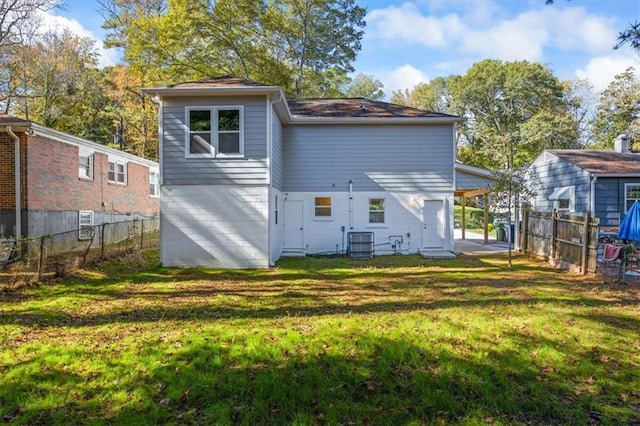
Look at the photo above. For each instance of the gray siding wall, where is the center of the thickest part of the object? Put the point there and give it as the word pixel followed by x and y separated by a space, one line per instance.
pixel 178 170
pixel 277 160
pixel 554 173
pixel 610 199
pixel 376 157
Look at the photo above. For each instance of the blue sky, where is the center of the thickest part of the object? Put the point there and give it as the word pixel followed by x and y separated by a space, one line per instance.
pixel 407 42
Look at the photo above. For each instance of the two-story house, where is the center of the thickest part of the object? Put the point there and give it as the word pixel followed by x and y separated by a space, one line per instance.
pixel 249 176
pixel 64 183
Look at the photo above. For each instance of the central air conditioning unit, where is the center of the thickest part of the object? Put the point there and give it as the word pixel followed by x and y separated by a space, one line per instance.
pixel 361 245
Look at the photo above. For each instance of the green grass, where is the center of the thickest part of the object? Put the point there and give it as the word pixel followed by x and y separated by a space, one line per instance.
pixel 394 340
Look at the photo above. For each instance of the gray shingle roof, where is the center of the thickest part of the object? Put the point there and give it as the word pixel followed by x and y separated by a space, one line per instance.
pixel 355 107
pixel 601 162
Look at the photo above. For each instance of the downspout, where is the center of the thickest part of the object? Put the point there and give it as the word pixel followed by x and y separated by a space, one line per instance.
pixel 270 104
pixel 592 195
pixel 17 182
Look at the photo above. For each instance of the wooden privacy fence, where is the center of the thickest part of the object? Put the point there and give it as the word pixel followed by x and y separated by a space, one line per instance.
pixel 568 241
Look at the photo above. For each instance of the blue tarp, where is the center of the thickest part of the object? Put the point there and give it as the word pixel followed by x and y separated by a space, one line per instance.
pixel 630 227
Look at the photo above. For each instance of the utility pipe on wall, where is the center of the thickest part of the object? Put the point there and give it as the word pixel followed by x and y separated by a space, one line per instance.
pixel 350 204
pixel 17 181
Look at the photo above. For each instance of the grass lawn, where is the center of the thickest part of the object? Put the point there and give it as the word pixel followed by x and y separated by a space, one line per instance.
pixel 395 340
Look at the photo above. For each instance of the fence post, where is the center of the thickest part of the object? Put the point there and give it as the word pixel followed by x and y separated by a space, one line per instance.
pixel 525 232
pixel 141 234
pixel 41 255
pixel 554 235
pixel 585 242
pixel 103 226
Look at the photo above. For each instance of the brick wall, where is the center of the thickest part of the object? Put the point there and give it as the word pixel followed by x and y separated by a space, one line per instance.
pixel 54 185
pixel 7 171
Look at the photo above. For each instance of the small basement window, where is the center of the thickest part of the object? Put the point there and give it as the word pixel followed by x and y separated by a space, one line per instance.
pixel 85 225
pixel 323 207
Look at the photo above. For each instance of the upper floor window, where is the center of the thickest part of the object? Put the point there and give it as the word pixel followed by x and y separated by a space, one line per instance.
pixel 376 210
pixel 85 166
pixel 215 132
pixel 322 206
pixel 117 172
pixel 154 184
pixel 631 194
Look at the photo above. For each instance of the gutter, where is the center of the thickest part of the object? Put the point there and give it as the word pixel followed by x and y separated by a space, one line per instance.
pixel 17 178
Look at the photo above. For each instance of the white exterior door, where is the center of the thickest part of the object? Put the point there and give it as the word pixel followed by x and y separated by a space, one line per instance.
pixel 433 224
pixel 293 226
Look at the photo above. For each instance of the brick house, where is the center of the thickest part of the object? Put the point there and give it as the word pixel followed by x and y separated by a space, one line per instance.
pixel 67 182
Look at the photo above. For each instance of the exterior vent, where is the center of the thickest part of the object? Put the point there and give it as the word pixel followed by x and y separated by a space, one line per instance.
pixel 361 245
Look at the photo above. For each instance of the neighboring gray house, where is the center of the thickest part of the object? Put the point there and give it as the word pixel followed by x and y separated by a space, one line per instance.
pixel 249 176
pixel 605 183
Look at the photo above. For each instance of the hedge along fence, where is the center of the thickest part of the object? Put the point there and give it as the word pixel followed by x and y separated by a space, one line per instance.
pixel 50 256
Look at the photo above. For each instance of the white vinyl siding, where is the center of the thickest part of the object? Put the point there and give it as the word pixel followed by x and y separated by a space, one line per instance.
pixel 374 157
pixel 250 169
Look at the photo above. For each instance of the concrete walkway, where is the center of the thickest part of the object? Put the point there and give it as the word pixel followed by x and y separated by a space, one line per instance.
pixel 474 243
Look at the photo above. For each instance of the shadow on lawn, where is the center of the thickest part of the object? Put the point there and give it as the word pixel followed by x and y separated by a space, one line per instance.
pixel 373 380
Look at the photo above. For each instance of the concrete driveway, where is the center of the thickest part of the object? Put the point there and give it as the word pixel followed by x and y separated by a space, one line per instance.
pixel 474 243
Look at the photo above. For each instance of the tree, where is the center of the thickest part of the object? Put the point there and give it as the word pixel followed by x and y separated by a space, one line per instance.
pixel 365 86
pixel 289 43
pixel 499 98
pixel 618 110
pixel 435 95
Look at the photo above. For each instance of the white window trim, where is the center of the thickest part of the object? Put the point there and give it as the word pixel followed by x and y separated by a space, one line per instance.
pixel 213 152
pixel 81 234
pixel 82 175
pixel 156 184
pixel 322 218
pixel 626 200
pixel 118 162
pixel 564 193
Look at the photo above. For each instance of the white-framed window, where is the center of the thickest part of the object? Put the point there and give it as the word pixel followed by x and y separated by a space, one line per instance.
pixel 631 194
pixel 322 207
pixel 85 224
pixel 117 172
pixel 215 131
pixel 154 183
pixel 85 166
pixel 563 198
pixel 376 210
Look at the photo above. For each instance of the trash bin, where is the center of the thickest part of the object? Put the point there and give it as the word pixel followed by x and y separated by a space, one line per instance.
pixel 501 233
pixel 512 235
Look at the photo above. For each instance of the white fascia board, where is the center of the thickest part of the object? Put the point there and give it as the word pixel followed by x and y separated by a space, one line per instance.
pixel 86 144
pixel 616 175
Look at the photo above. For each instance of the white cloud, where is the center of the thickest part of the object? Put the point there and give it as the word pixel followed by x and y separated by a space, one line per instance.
pixel 406 24
pixel 483 30
pixel 51 22
pixel 403 77
pixel 601 70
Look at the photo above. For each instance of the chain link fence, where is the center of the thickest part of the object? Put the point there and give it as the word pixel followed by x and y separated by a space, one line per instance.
pixel 52 256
